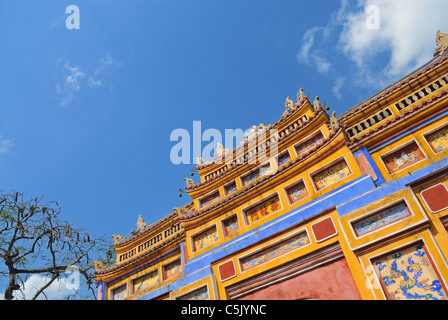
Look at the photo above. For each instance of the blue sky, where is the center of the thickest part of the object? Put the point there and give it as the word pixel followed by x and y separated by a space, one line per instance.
pixel 87 114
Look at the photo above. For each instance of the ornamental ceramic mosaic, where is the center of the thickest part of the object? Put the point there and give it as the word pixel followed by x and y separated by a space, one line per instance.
pixel 205 239
pixel 208 200
pixel 331 175
pixel 259 172
pixel 146 281
pixel 231 226
pixel 309 144
pixel 231 188
pixel 172 270
pixel 381 218
pixel 275 251
pixel 262 210
pixel 409 274
pixel 284 158
pixel 200 294
pixel 120 293
pixel 403 158
pixel 297 192
pixel 438 140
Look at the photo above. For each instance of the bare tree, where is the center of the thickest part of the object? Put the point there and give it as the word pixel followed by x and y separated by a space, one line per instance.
pixel 35 240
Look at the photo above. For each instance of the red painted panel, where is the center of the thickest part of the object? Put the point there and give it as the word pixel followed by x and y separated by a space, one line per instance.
pixel 324 229
pixel 436 197
pixel 332 281
pixel 226 270
pixel 184 249
pixel 365 166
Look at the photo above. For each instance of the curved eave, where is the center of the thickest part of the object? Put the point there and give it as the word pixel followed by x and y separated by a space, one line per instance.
pixel 283 122
pixel 113 271
pixel 206 186
pixel 394 92
pixel 148 232
pixel 335 141
pixel 402 122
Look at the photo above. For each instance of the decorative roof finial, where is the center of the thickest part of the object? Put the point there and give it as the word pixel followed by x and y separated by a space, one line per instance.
pixel 200 160
pixel 98 265
pixel 442 43
pixel 317 105
pixel 117 238
pixel 140 223
pixel 289 104
pixel 334 123
pixel 300 96
pixel 189 182
pixel 180 211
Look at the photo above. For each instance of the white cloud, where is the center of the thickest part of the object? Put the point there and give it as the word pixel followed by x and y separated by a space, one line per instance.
pixel 58 290
pixel 58 20
pixel 70 84
pixel 106 61
pixel 5 145
pixel 338 84
pixel 73 76
pixel 404 41
pixel 407 33
pixel 313 58
pixel 94 83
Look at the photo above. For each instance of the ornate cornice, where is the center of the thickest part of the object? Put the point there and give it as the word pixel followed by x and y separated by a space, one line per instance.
pixel 110 269
pixel 423 105
pixel 311 120
pixel 263 180
pixel 395 88
pixel 291 109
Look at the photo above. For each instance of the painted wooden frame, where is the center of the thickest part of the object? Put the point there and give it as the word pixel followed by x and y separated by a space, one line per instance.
pixel 194 235
pixel 384 155
pixel 312 174
pixel 223 221
pixel 137 277
pixel 253 205
pixel 415 218
pixel 278 241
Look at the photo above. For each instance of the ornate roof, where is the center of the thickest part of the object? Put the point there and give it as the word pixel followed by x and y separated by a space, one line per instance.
pixel 398 118
pixel 261 181
pixel 107 270
pixel 395 87
pixel 290 110
pixel 283 136
pixel 289 126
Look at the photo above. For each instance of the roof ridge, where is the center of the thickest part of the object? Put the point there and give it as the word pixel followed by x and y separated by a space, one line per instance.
pixel 357 108
pixel 286 115
pixel 245 189
pixel 236 166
